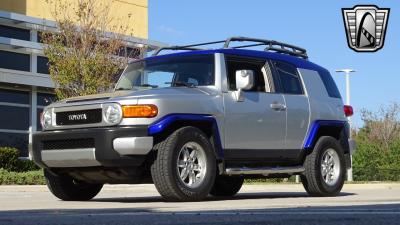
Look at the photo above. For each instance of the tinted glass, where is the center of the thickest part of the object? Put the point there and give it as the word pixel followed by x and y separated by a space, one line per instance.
pixel 14 118
pixel 19 141
pixel 129 52
pixel 42 65
pixel 39 37
pixel 45 99
pixel 329 83
pixel 21 97
pixel 256 65
pixel 289 78
pixel 132 52
pixel 16 33
pixel 14 61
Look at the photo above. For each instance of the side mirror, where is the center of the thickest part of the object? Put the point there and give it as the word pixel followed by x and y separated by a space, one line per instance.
pixel 244 81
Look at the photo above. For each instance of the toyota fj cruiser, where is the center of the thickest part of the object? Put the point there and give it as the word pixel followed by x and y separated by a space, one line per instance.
pixel 197 122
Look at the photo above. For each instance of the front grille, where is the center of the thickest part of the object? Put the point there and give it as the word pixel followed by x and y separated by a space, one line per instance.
pixel 79 117
pixel 68 144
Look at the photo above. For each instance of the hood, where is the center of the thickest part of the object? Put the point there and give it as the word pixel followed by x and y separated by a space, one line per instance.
pixel 145 93
pixel 167 91
pixel 94 97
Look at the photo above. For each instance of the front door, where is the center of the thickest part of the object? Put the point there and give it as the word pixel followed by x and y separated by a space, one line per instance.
pixel 256 126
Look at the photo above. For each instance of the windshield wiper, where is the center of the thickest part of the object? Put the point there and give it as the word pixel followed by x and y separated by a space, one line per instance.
pixel 149 85
pixel 142 85
pixel 181 84
pixel 123 89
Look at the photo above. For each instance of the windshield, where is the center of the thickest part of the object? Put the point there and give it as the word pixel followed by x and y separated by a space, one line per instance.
pixel 186 71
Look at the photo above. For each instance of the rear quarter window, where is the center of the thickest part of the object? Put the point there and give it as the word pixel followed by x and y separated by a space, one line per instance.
pixel 289 78
pixel 329 84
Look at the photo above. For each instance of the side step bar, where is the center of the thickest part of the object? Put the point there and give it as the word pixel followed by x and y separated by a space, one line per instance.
pixel 264 170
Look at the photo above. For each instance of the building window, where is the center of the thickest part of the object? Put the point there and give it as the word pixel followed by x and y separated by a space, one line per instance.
pixel 39 37
pixel 133 53
pixel 16 140
pixel 11 96
pixel 45 99
pixel 43 65
pixel 38 115
pixel 14 118
pixel 15 61
pixel 16 33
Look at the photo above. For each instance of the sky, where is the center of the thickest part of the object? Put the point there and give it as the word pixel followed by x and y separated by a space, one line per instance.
pixel 314 25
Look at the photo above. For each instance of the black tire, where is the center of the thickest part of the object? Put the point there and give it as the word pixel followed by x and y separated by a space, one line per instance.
pixel 312 179
pixel 65 188
pixel 164 170
pixel 226 186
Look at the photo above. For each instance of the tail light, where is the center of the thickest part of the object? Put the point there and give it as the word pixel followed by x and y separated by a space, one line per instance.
pixel 348 110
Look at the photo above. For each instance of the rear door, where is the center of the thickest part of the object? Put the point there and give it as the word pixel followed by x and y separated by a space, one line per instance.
pixel 290 84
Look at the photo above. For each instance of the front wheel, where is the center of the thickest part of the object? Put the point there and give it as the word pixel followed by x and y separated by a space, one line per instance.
pixel 185 166
pixel 325 169
pixel 68 189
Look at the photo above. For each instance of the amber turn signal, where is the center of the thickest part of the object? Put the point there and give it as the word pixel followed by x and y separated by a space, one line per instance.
pixel 139 111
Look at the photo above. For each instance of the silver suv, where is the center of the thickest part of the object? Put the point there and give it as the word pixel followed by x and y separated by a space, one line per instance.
pixel 197 122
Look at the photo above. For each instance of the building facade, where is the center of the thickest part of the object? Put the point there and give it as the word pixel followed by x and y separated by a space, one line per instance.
pixel 133 13
pixel 25 85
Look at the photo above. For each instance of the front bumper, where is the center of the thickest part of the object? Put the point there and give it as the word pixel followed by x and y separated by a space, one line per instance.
pixel 107 147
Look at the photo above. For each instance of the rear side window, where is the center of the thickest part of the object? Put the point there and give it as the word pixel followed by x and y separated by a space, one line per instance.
pixel 329 84
pixel 289 78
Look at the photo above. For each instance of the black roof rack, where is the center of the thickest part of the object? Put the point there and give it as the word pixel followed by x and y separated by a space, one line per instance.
pixel 270 45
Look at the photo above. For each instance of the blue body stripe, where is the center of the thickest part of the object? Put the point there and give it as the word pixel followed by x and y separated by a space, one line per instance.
pixel 163 123
pixel 315 127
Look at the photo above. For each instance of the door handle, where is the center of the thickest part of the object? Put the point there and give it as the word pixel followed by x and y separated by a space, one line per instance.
pixel 277 106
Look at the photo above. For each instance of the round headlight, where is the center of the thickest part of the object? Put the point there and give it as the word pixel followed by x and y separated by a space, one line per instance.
pixel 112 113
pixel 46 119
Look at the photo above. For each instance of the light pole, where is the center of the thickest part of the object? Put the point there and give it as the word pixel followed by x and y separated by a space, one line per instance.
pixel 347 74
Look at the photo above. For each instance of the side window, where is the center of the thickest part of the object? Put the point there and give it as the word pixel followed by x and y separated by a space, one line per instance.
pixel 329 84
pixel 237 63
pixel 289 78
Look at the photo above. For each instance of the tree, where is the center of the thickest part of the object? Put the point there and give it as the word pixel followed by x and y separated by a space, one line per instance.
pixel 84 50
pixel 378 145
pixel 382 126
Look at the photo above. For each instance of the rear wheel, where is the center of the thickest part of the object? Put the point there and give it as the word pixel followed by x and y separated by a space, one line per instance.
pixel 66 188
pixel 184 169
pixel 324 168
pixel 226 186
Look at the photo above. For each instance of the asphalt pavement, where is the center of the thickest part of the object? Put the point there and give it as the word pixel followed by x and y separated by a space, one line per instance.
pixel 374 203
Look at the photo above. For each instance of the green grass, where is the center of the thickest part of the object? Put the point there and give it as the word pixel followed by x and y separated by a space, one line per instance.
pixel 21 178
pixel 291 180
pixel 36 178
